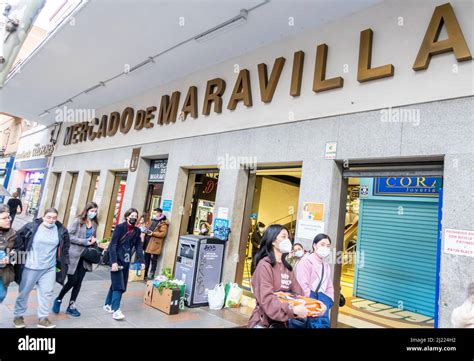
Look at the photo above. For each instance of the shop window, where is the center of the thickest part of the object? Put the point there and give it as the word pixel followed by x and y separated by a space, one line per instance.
pixel 31 193
pixel 202 203
pixel 93 186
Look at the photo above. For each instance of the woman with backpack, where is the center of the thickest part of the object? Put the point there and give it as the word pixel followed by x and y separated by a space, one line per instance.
pixel 82 234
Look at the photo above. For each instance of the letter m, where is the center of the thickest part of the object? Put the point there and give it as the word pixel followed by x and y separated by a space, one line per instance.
pixel 168 109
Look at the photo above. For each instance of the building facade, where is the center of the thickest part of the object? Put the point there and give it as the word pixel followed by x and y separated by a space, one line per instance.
pixel 319 114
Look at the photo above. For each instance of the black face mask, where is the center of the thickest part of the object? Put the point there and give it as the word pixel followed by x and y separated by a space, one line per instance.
pixel 132 221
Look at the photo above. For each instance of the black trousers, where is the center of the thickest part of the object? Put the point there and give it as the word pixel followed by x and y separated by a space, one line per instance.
pixel 150 259
pixel 75 282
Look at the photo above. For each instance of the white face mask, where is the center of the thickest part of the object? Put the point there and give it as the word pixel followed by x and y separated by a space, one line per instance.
pixel 323 252
pixel 48 225
pixel 299 253
pixel 285 246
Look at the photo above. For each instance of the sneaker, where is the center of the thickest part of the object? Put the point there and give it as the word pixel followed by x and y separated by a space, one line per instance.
pixel 108 309
pixel 45 323
pixel 118 315
pixel 19 322
pixel 57 305
pixel 72 310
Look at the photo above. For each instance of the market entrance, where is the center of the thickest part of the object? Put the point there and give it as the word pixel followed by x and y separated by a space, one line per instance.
pixel 199 202
pixel 272 198
pixel 390 250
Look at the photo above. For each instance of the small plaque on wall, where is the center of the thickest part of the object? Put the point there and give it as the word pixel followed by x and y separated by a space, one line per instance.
pixel 134 160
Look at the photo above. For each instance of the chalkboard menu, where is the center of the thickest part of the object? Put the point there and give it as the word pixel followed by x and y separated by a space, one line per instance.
pixel 157 170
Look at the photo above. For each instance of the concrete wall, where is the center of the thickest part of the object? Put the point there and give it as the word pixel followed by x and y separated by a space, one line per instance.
pixel 444 128
pixel 399 27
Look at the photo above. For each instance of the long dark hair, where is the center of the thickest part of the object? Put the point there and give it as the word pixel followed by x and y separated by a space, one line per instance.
pixel 83 215
pixel 266 246
pixel 145 216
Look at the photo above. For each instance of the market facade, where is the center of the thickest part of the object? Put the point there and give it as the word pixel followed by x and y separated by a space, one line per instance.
pixel 340 130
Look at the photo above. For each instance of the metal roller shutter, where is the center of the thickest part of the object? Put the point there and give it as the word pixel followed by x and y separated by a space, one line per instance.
pixel 399 253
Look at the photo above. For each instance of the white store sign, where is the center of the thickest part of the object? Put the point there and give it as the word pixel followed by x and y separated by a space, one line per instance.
pixel 309 229
pixel 459 242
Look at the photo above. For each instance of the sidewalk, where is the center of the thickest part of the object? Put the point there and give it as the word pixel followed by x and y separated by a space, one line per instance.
pixel 138 315
pixel 21 220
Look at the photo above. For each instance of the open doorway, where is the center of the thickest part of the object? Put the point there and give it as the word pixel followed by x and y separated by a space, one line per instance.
pixel 200 201
pixel 272 198
pixel 390 247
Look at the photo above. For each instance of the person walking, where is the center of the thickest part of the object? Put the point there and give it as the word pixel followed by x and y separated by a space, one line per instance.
pixel 15 205
pixel 82 234
pixel 44 243
pixel 124 238
pixel 7 243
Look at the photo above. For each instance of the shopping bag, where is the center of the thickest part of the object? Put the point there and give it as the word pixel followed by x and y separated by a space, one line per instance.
pixel 135 273
pixel 227 289
pixel 216 297
pixel 234 296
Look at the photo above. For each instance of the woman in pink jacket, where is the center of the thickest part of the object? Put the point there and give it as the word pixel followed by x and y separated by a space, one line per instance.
pixel 314 277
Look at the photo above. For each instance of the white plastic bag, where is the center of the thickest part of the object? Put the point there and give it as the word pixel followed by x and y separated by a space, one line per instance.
pixel 234 296
pixel 216 297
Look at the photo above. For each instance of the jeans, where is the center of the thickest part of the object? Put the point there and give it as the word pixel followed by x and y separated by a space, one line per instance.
pixel 113 299
pixel 44 281
pixel 118 287
pixel 3 291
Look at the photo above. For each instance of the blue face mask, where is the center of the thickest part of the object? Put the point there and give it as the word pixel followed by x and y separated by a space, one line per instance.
pixel 48 225
pixel 91 215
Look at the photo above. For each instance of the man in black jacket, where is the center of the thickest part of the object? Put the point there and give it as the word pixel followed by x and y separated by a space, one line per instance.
pixel 42 249
pixel 256 238
pixel 13 203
